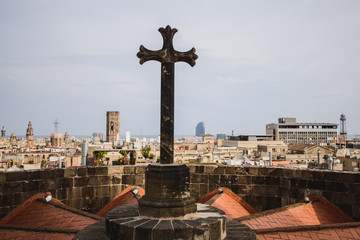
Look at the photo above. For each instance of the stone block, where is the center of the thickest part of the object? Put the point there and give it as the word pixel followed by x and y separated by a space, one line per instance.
pixel 355 188
pixel 230 170
pixel 145 231
pixel 199 169
pixel 69 172
pixel 129 169
pixel 13 187
pixel 140 170
pixel 82 171
pixel 117 170
pixel 204 189
pixel 357 178
pixel 128 179
pixel 273 180
pixel 33 185
pixel 60 194
pixel 307 174
pixel 336 187
pixel 298 183
pixel 91 171
pixel 88 192
pixel 192 168
pixel 240 171
pixel 115 179
pixel 320 185
pixel 346 177
pixel 244 179
pixel 75 192
pixel 163 230
pixel 50 184
pixel 58 173
pixel 2 178
pixel 16 176
pixel 67 182
pixel 263 171
pixel 209 169
pixel 34 175
pixel 140 180
pixel 275 172
pixel 297 173
pixel 82 181
pixel 237 189
pixel 253 171
pixel 7 200
pixel 319 175
pixel 213 179
pixel 258 180
pixel 182 230
pixel 220 170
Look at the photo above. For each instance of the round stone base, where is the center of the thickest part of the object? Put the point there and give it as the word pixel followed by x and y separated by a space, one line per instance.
pixel 207 223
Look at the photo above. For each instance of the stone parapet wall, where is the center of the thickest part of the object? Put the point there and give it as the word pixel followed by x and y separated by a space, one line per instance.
pixel 86 188
pixel 271 187
pixel 91 188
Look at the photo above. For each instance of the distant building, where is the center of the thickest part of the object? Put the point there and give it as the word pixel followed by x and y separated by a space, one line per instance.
pixel 200 129
pixel 127 136
pixel 56 139
pixel 3 131
pixel 221 136
pixel 98 135
pixel 112 126
pixel 289 131
pixel 30 136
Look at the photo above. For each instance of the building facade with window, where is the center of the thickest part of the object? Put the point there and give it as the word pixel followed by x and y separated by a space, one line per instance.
pixel 289 131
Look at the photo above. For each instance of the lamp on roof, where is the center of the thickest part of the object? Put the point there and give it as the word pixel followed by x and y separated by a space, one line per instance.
pixel 48 196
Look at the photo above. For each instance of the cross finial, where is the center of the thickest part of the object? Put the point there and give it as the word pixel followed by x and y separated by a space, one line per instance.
pixel 167 54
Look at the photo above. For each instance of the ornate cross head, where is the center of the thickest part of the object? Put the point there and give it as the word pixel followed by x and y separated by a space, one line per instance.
pixel 167 54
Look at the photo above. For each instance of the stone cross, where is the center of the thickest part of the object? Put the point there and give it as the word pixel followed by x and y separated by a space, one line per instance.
pixel 167 55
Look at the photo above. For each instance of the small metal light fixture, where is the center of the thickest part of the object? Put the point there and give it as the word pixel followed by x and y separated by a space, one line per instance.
pixel 48 196
pixel 220 191
pixel 135 191
pixel 306 200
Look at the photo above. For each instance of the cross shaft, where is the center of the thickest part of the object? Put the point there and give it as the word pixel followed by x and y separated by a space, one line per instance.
pixel 167 55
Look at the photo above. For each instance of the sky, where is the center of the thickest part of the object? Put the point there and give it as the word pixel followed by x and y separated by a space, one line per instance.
pixel 258 61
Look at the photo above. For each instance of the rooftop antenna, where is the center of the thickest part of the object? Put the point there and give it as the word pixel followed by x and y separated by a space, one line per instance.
pixel 56 124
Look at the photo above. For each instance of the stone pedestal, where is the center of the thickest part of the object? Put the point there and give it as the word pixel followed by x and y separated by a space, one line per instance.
pixel 207 223
pixel 167 192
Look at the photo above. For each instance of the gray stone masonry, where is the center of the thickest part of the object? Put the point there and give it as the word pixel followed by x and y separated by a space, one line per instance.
pixel 91 188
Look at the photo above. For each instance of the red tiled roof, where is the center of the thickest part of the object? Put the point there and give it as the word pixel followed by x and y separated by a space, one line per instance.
pixel 229 202
pixel 38 219
pixel 29 235
pixel 326 231
pixel 319 211
pixel 125 197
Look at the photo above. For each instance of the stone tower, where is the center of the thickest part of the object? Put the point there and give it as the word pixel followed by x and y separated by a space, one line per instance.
pixel 30 136
pixel 3 132
pixel 112 126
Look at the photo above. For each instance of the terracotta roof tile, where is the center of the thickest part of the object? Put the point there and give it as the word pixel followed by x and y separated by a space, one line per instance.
pixel 229 202
pixel 38 214
pixel 15 234
pixel 326 231
pixel 125 197
pixel 318 211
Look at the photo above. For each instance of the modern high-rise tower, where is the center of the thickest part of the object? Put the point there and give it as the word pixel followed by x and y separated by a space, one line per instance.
pixel 200 129
pixel 112 126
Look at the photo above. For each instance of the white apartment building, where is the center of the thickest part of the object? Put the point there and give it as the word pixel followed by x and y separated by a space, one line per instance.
pixel 289 131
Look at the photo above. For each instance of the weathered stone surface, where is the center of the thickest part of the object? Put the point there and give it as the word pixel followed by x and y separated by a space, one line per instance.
pixel 344 194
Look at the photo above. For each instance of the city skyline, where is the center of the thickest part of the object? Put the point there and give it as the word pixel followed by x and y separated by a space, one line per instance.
pixel 258 61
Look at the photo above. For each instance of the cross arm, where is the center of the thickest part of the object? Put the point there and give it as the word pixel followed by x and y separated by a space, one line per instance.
pixel 146 55
pixel 188 57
